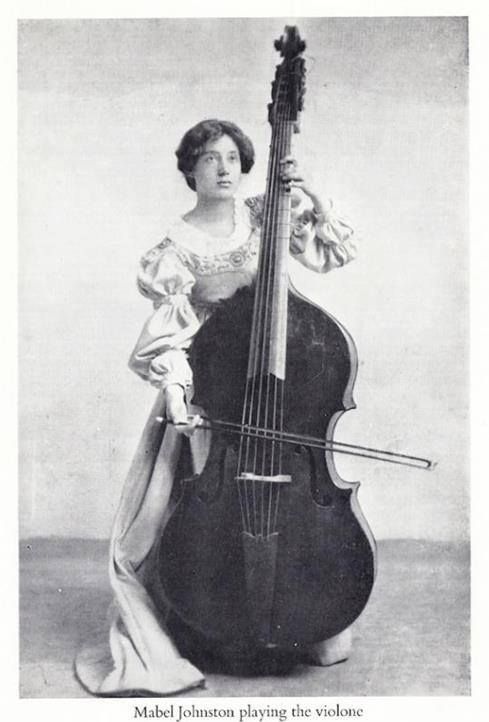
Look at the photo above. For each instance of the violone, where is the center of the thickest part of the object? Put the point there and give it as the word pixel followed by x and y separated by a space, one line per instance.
pixel 267 547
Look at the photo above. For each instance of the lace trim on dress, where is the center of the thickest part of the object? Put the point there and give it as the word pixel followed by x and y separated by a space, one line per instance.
pixel 153 253
pixel 256 206
pixel 190 245
pixel 220 263
pixel 206 265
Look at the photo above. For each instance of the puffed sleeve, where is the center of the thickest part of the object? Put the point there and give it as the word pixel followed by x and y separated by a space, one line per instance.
pixel 320 241
pixel 159 355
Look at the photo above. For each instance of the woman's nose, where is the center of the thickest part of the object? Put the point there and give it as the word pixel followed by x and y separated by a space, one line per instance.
pixel 222 168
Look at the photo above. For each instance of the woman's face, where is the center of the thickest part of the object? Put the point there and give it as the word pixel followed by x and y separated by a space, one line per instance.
pixel 217 172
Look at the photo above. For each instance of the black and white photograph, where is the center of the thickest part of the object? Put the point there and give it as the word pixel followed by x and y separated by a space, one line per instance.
pixel 243 382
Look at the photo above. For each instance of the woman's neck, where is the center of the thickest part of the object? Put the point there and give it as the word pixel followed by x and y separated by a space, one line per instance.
pixel 216 216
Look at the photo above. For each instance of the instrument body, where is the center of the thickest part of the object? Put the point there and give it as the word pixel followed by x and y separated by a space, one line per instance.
pixel 267 546
pixel 321 572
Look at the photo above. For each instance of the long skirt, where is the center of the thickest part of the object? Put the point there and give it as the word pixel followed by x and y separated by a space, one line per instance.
pixel 137 655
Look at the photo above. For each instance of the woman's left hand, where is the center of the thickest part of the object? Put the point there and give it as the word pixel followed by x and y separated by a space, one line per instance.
pixel 292 176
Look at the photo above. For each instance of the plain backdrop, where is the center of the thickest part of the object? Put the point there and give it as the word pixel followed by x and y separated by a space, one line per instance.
pixel 102 106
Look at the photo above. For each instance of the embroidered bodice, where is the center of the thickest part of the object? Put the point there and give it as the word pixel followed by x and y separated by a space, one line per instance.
pixel 189 271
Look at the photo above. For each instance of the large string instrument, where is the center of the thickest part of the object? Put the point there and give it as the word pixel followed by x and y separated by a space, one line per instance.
pixel 267 547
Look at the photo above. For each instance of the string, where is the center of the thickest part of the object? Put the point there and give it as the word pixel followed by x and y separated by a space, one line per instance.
pixel 268 268
pixel 269 296
pixel 269 307
pixel 276 279
pixel 273 278
pixel 258 335
pixel 264 397
pixel 268 240
pixel 257 367
pixel 277 382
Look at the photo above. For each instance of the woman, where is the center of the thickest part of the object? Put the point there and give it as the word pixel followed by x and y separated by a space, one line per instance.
pixel 206 256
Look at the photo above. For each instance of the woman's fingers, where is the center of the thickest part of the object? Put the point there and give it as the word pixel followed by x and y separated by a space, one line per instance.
pixel 189 425
pixel 290 174
pixel 176 410
pixel 193 423
pixel 288 167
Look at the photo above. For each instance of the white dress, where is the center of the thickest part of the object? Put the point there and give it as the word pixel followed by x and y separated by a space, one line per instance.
pixel 184 276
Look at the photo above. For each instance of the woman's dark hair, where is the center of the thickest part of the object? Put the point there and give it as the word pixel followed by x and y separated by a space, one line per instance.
pixel 194 140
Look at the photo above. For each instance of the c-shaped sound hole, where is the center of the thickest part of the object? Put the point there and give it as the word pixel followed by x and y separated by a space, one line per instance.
pixel 320 495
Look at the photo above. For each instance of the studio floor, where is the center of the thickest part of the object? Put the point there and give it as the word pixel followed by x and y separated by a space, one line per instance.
pixel 412 639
